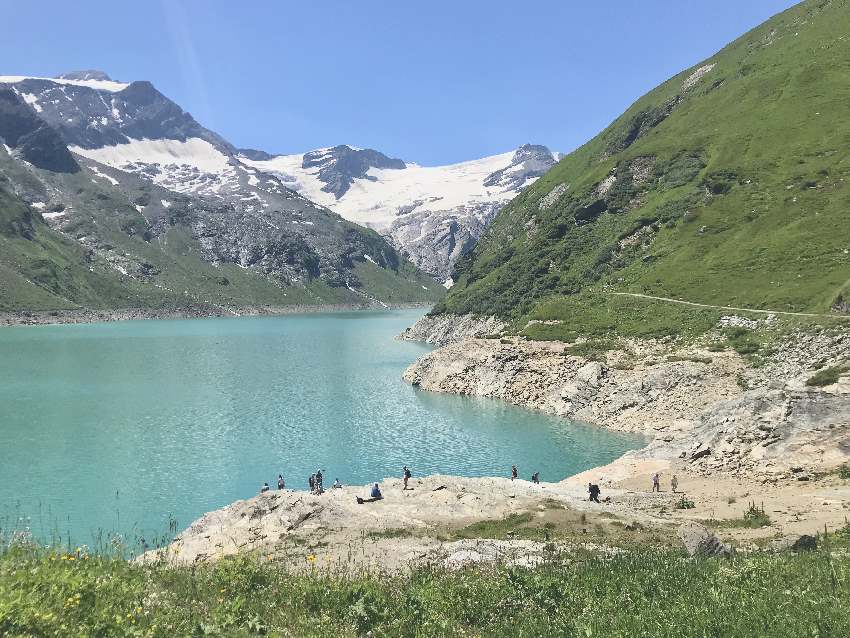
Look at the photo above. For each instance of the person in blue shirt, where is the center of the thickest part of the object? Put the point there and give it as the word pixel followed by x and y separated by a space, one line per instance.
pixel 376 492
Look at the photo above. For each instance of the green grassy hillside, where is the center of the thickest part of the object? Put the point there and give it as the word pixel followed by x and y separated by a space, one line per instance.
pixel 725 185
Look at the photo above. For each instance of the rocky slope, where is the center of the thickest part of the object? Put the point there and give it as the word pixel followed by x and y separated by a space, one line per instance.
pixel 152 209
pixel 444 329
pixel 435 214
pixel 711 409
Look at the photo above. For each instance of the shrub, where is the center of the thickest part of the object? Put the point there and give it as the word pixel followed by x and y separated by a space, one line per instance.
pixel 684 504
pixel 827 376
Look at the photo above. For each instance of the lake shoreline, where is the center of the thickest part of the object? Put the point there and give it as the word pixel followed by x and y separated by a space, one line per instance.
pixel 88 316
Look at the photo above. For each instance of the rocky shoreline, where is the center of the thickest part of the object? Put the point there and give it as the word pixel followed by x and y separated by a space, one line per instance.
pixel 50 317
pixel 705 410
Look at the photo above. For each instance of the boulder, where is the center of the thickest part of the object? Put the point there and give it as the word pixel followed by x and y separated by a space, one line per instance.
pixel 700 541
pixel 796 543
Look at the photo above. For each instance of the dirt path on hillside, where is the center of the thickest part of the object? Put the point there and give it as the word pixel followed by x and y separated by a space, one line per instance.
pixel 733 308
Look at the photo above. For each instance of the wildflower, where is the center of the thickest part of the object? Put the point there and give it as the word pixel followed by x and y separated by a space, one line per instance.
pixel 311 558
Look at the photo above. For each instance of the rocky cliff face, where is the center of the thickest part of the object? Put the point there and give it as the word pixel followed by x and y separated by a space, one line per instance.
pixel 433 214
pixel 35 142
pixel 442 330
pixel 693 407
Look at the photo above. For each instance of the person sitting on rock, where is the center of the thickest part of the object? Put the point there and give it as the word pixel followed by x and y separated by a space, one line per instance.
pixel 514 472
pixel 535 478
pixel 594 492
pixel 376 492
pixel 281 484
pixel 337 485
pixel 264 488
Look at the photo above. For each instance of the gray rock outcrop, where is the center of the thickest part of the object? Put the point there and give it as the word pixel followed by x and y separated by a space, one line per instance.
pixel 446 328
pixel 700 541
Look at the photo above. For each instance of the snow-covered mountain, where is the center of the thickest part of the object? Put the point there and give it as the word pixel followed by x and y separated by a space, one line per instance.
pixel 434 213
pixel 236 214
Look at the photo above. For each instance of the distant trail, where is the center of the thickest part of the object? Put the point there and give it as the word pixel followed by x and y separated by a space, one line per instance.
pixel 705 305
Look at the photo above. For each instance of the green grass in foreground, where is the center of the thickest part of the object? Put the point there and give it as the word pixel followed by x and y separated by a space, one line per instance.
pixel 636 593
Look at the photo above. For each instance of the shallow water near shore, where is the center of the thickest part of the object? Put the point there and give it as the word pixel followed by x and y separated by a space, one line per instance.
pixel 128 426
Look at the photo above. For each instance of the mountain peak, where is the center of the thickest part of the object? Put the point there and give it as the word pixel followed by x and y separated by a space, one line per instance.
pixel 340 165
pixel 90 74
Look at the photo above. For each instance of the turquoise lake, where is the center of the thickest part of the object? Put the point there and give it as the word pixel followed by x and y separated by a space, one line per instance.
pixel 124 427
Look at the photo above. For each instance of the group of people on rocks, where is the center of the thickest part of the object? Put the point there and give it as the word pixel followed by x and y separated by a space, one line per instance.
pixel 316 483
pixel 316 479
pixel 535 478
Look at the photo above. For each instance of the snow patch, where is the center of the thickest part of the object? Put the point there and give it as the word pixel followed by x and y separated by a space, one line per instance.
pixel 52 215
pixel 448 283
pixel 38 205
pixel 165 203
pixel 695 77
pixel 368 258
pixel 376 202
pixel 109 178
pixel 99 85
pixel 32 100
pixel 193 152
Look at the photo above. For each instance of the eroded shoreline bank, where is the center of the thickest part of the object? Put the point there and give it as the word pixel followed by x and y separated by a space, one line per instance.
pixel 57 317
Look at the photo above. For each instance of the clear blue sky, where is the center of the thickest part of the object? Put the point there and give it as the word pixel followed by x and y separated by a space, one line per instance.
pixel 432 81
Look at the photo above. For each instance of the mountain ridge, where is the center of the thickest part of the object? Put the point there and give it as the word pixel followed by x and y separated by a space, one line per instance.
pixel 433 213
pixel 104 237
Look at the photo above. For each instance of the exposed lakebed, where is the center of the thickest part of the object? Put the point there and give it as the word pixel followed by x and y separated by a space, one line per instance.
pixel 125 426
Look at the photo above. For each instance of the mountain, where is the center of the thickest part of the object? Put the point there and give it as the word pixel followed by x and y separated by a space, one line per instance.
pixel 435 214
pixel 117 197
pixel 725 186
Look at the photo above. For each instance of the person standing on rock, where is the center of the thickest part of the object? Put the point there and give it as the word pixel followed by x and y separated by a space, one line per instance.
pixel 407 474
pixel 312 483
pixel 674 483
pixel 656 482
pixel 318 481
pixel 514 472
pixel 594 492
pixel 281 484
pixel 535 478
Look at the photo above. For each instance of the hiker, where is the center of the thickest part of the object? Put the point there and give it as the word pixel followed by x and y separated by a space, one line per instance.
pixel 264 488
pixel 514 473
pixel 319 481
pixel 337 485
pixel 674 483
pixel 375 495
pixel 594 492
pixel 407 476
pixel 535 478
pixel 281 484
pixel 312 482
pixel 656 482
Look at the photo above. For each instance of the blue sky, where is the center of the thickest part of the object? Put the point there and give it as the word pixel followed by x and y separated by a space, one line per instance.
pixel 430 81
